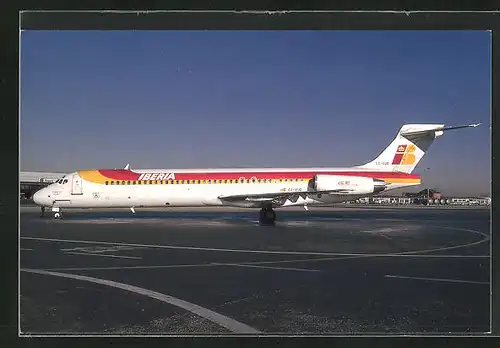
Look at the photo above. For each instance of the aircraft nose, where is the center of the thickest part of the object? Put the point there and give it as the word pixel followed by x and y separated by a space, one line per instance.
pixel 39 197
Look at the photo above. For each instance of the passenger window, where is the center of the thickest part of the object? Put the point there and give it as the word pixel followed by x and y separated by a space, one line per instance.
pixel 151 182
pixel 118 183
pixel 106 182
pixel 128 182
pixel 123 182
pixel 112 182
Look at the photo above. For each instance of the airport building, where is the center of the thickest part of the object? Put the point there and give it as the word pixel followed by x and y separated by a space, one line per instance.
pixel 31 182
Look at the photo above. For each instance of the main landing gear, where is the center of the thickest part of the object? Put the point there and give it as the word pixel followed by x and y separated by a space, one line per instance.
pixel 267 216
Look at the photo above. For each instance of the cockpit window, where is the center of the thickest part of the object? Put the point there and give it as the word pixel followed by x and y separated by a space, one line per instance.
pixel 65 181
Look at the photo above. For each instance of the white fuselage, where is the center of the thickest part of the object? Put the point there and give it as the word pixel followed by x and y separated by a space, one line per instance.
pixel 76 192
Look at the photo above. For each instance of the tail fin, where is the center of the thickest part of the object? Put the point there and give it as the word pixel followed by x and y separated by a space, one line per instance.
pixel 409 146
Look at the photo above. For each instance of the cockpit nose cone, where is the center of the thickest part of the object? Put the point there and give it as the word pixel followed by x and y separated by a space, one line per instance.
pixel 38 197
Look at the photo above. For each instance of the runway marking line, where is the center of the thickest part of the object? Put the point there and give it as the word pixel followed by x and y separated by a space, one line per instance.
pixel 398 254
pixel 104 255
pixel 437 279
pixel 222 320
pixel 333 256
pixel 266 267
pixel 104 250
pixel 26 249
pixel 116 268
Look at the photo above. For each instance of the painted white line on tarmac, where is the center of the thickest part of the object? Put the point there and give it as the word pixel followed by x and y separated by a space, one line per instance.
pixel 414 253
pixel 101 250
pixel 228 323
pixel 267 267
pixel 437 279
pixel 104 255
pixel 116 268
pixel 26 249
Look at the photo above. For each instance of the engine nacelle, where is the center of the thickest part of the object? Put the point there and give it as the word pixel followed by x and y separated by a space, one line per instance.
pixel 357 185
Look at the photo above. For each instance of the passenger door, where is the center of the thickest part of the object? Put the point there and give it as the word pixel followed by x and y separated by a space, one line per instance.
pixel 76 185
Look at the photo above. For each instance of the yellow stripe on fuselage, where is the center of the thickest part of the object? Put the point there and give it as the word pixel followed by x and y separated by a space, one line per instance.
pixel 400 180
pixel 93 176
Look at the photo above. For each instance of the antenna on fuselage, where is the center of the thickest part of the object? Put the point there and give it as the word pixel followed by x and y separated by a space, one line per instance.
pixel 127 167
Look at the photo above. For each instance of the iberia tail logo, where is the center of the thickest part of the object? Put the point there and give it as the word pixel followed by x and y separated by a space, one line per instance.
pixel 405 154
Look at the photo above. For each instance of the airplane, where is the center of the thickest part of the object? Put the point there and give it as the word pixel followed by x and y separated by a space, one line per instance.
pixel 264 188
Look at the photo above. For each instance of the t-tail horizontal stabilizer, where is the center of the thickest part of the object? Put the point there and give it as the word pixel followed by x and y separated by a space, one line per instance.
pixel 409 146
pixel 438 130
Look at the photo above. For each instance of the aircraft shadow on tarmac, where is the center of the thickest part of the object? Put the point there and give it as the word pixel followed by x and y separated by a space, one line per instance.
pixel 226 219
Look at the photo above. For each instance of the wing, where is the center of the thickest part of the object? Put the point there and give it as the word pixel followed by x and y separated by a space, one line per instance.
pixel 276 198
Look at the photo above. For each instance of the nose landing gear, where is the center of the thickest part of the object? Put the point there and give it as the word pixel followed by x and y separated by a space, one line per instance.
pixel 57 213
pixel 267 216
pixel 42 211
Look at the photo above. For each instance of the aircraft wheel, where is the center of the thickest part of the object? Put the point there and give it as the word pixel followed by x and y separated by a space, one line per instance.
pixel 57 215
pixel 267 216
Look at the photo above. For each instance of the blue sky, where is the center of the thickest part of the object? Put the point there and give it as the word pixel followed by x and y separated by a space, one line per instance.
pixel 195 99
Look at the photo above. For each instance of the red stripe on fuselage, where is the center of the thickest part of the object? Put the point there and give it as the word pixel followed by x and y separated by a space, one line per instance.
pixel 122 174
